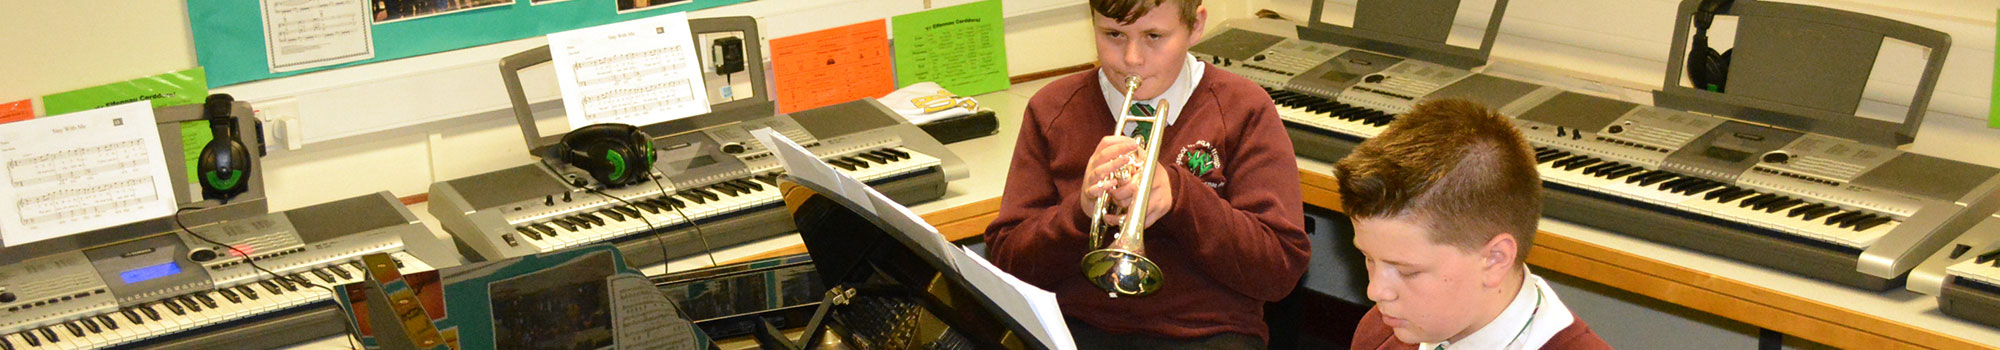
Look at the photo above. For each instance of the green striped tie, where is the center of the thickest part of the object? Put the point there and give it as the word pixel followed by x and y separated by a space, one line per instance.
pixel 1142 109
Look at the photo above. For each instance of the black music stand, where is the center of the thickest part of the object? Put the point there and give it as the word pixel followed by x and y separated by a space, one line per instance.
pixel 858 253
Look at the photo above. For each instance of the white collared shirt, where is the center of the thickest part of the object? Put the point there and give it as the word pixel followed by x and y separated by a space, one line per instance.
pixel 1175 96
pixel 1534 317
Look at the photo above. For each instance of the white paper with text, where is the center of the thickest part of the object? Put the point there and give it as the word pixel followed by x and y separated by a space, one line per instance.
pixel 82 171
pixel 636 72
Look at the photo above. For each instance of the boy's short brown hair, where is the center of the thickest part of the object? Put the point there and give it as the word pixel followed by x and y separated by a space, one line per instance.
pixel 1455 165
pixel 1126 11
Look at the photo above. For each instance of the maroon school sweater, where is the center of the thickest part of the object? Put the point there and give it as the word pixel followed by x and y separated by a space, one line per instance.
pixel 1372 334
pixel 1232 241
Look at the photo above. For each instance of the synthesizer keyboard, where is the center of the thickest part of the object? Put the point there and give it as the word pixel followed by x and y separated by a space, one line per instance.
pixel 718 177
pixel 172 291
pixel 1804 203
pixel 1971 287
pixel 1331 97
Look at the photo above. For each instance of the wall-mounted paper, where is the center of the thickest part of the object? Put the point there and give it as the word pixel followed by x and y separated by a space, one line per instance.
pixel 81 171
pixel 17 111
pixel 636 72
pixel 832 66
pixel 961 47
pixel 300 34
pixel 188 87
pixel 172 89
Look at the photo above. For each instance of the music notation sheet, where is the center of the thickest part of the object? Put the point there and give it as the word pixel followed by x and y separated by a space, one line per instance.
pixel 637 72
pixel 81 171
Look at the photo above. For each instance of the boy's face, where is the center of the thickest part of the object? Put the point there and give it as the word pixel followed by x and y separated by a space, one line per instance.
pixel 1426 291
pixel 1153 47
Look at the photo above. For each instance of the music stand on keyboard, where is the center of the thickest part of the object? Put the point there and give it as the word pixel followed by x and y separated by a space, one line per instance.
pixel 1416 29
pixel 1804 68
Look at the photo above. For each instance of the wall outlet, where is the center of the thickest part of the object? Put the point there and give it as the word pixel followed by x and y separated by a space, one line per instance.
pixel 281 122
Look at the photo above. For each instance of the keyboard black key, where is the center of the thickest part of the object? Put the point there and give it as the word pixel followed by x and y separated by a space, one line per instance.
pixel 1788 203
pixel 725 189
pixel 1767 202
pixel 1629 170
pixel 1726 190
pixel 898 152
pixel 1842 217
pixel 1551 157
pixel 174 306
pixel 247 292
pixel 594 219
pixel 231 295
pixel 287 283
pixel 131 316
pixel 1864 225
pixel 1663 176
pixel 1816 213
pixel 1795 212
pixel 1854 219
pixel 90 324
pixel 1596 170
pixel 5 344
pixel 646 206
pixel 842 164
pixel 107 322
pixel 628 210
pixel 151 314
pixel 1708 186
pixel 564 223
pixel 205 300
pixel 271 287
pixel 614 214
pixel 1581 163
pixel 768 179
pixel 49 335
pixel 1565 162
pixel 1645 176
pixel 1759 198
pixel 711 195
pixel 752 185
pixel 1739 194
pixel 30 337
pixel 1666 186
pixel 189 302
pixel 73 328
pixel 530 233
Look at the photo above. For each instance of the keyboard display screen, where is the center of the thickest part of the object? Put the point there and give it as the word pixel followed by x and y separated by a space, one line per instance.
pixel 1726 154
pixel 143 274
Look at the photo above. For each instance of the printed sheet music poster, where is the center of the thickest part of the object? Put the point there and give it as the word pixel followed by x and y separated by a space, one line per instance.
pixel 81 171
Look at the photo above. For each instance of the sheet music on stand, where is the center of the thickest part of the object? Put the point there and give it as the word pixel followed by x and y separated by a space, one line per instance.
pixel 636 72
pixel 81 171
pixel 1026 304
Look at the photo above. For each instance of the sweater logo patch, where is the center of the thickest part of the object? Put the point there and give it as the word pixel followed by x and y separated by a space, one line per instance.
pixel 1200 158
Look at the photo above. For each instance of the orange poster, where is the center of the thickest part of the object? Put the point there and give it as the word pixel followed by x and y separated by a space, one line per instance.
pixel 832 66
pixel 17 111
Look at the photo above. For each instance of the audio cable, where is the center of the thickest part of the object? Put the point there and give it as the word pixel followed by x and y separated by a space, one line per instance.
pixel 705 248
pixel 331 294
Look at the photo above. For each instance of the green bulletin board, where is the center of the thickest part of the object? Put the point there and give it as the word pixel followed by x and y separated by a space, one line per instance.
pixel 229 36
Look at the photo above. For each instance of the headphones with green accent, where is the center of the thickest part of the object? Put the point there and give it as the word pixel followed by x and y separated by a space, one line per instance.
pixel 224 168
pixel 614 154
pixel 1708 69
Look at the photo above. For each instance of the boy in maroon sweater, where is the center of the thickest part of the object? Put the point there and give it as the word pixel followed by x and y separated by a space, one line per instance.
pixel 1224 219
pixel 1445 204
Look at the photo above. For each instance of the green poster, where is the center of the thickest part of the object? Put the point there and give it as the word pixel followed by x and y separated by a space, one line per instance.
pixel 962 48
pixel 188 87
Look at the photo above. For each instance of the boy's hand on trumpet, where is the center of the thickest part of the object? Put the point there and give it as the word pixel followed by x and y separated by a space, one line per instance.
pixel 1112 170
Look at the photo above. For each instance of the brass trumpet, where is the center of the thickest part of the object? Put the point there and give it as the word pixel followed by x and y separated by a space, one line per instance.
pixel 1121 268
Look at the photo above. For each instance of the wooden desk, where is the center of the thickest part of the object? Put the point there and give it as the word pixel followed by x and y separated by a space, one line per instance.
pixel 1798 307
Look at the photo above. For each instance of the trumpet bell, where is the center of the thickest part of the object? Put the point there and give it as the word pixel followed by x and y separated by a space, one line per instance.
pixel 1122 272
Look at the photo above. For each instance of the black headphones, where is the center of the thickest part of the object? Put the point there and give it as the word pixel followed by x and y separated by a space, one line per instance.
pixel 224 168
pixel 614 154
pixel 1706 68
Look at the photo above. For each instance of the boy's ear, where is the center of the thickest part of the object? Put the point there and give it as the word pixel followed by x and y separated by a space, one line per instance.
pixel 1200 21
pixel 1498 257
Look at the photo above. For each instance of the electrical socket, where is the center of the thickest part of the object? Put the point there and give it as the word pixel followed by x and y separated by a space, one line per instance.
pixel 281 122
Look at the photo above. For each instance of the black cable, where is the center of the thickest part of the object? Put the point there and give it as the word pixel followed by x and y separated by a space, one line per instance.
pixel 333 295
pixel 697 230
pixel 642 218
